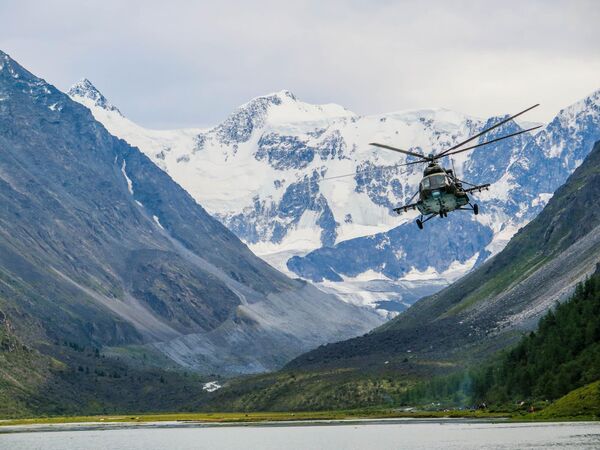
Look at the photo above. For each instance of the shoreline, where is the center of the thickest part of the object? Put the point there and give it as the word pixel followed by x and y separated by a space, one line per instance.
pixel 95 426
pixel 205 420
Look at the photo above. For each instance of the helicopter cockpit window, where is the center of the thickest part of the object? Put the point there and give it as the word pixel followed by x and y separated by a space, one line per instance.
pixel 434 181
pixel 438 181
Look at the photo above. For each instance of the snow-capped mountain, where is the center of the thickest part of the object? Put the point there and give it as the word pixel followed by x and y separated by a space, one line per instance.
pixel 275 173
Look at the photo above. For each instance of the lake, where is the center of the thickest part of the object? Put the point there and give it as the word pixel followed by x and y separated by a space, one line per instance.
pixel 375 434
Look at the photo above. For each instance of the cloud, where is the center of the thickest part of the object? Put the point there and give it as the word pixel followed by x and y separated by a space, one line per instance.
pixel 184 63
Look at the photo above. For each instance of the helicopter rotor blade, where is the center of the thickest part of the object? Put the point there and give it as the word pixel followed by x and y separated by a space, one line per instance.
pixel 372 169
pixel 339 176
pixel 502 122
pixel 413 197
pixel 399 150
pixel 488 142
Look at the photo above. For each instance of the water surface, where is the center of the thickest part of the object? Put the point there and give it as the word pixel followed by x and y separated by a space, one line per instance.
pixel 390 434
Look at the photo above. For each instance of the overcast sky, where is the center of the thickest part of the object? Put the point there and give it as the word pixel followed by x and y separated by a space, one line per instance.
pixel 172 64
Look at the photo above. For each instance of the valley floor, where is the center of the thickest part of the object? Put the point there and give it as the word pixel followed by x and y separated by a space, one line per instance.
pixel 266 418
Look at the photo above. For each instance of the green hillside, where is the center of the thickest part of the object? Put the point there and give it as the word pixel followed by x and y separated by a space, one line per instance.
pixel 20 370
pixel 71 379
pixel 581 403
pixel 561 355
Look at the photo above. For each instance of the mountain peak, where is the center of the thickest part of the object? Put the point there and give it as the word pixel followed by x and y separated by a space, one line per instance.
pixel 285 94
pixel 590 104
pixel 84 87
pixel 282 94
pixel 15 70
pixel 592 101
pixel 274 98
pixel 85 90
pixel 4 58
pixel 276 107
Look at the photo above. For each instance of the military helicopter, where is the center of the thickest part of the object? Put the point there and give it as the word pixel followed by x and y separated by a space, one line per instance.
pixel 440 190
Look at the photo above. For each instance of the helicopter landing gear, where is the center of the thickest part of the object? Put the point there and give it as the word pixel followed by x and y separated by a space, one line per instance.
pixel 420 221
pixel 473 208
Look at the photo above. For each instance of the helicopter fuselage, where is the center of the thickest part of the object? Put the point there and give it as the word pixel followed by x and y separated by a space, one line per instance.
pixel 441 200
pixel 440 192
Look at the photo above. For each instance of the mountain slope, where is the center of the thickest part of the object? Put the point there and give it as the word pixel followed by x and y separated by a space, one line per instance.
pixel 263 173
pixel 561 355
pixel 100 248
pixel 488 308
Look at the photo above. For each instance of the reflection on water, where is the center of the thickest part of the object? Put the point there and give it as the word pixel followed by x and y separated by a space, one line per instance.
pixel 400 434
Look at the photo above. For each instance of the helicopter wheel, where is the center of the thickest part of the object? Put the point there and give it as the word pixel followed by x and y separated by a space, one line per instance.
pixel 475 209
pixel 420 224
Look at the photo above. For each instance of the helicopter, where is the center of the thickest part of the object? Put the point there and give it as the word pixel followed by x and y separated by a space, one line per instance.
pixel 440 190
